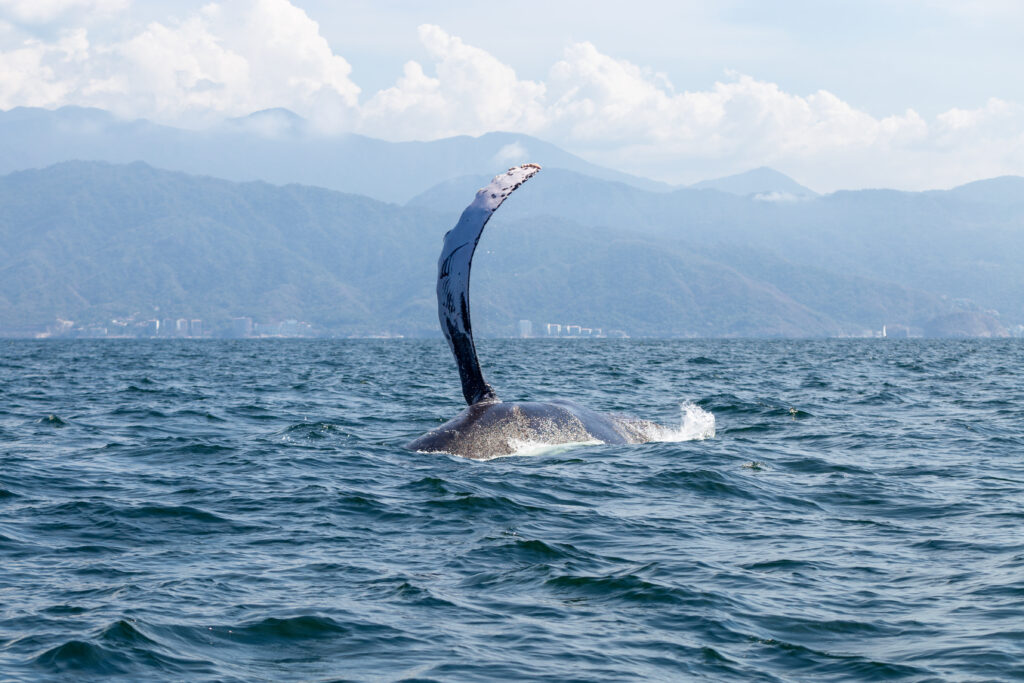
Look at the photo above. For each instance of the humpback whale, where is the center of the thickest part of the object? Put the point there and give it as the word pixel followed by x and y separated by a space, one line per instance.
pixel 490 427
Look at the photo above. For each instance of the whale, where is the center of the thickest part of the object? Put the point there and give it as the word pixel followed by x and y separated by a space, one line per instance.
pixel 490 427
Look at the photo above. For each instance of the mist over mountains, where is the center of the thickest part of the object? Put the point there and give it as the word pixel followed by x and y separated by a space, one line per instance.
pixel 275 146
pixel 750 255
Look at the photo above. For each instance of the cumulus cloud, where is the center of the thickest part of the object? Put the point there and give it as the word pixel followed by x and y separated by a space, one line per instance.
pixel 36 73
pixel 234 57
pixel 625 113
pixel 472 93
pixel 229 59
pixel 620 114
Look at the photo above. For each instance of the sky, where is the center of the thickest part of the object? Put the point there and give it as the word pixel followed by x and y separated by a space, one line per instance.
pixel 911 94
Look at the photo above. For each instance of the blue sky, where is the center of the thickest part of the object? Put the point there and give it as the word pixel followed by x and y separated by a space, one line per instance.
pixel 913 94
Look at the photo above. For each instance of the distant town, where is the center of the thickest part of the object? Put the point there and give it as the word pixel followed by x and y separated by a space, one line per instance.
pixel 245 327
pixel 567 330
pixel 185 328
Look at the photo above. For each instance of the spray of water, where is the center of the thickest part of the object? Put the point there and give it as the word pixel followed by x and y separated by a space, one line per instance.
pixel 696 424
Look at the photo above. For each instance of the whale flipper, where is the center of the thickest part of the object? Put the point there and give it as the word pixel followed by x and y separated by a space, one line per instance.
pixel 489 428
pixel 453 278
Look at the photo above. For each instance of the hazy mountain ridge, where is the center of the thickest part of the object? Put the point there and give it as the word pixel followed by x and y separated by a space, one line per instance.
pixel 767 182
pixel 750 254
pixel 94 240
pixel 275 146
pixel 87 241
pixel 945 242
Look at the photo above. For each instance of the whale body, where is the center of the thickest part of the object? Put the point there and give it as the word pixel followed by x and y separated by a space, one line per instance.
pixel 490 427
pixel 487 430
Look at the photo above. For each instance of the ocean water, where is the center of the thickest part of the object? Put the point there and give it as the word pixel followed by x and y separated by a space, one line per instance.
pixel 243 510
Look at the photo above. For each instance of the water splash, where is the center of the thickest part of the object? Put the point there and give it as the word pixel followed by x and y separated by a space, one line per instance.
pixel 696 424
pixel 531 447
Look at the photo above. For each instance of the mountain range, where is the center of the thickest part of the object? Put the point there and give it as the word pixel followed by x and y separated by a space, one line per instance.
pixel 275 146
pixel 751 255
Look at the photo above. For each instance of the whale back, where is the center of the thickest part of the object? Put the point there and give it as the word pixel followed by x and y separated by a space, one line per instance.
pixel 486 430
pixel 453 269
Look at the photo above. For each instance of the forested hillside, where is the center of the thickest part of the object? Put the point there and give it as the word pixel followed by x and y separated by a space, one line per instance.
pixel 91 241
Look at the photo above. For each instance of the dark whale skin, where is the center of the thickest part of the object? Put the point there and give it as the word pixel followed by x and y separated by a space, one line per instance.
pixel 489 429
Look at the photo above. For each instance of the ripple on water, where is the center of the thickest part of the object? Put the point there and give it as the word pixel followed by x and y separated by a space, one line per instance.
pixel 81 657
pixel 243 510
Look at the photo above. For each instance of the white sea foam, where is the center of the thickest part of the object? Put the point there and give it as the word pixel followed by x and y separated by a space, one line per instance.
pixel 696 424
pixel 529 447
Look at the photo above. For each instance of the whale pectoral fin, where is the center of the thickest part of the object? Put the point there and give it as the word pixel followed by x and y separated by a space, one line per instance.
pixel 453 269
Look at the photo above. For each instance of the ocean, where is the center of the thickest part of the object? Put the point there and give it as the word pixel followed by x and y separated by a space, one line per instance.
pixel 244 510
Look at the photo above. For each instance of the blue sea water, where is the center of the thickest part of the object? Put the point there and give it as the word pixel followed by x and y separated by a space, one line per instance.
pixel 243 510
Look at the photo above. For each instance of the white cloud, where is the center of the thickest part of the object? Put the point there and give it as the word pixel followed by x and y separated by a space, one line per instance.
pixel 473 93
pixel 620 114
pixel 779 197
pixel 511 154
pixel 34 74
pixel 229 59
pixel 609 103
pixel 233 57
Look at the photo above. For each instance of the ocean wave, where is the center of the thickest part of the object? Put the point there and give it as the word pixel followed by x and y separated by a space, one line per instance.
pixel 83 658
pixel 826 531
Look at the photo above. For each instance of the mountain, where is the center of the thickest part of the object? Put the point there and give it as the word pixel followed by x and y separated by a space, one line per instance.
pixel 92 241
pixel 937 242
pixel 276 146
pixel 766 183
pixel 966 324
pixel 1004 190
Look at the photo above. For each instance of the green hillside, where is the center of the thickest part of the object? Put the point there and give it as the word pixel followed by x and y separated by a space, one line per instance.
pixel 91 241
